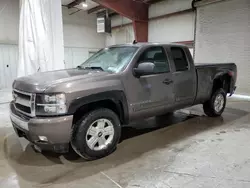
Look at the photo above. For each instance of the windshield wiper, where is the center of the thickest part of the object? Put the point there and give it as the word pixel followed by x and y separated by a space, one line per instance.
pixel 92 68
pixel 79 67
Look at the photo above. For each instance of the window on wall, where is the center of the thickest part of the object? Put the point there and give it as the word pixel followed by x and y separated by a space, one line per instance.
pixel 157 56
pixel 180 59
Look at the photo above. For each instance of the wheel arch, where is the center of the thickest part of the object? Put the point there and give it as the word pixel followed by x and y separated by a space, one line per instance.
pixel 113 100
pixel 222 80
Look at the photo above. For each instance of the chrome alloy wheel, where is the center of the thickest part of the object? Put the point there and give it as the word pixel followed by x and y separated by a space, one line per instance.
pixel 219 103
pixel 100 134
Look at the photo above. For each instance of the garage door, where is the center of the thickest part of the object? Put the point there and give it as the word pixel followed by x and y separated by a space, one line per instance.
pixel 223 35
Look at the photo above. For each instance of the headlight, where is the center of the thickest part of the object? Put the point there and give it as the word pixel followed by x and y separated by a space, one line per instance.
pixel 54 104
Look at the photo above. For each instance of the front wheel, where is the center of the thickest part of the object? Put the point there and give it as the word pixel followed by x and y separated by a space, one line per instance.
pixel 96 134
pixel 216 105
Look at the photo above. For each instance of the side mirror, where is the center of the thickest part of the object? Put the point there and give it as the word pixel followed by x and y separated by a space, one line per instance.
pixel 145 68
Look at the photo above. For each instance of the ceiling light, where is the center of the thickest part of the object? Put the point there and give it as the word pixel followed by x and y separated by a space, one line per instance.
pixel 84 4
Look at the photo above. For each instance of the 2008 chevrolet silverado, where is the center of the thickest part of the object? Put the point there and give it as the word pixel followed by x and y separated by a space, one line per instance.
pixel 84 108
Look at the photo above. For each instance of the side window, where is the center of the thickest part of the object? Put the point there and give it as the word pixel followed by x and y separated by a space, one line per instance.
pixel 157 56
pixel 180 59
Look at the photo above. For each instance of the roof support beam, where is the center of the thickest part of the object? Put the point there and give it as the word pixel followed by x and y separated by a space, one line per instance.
pixel 140 31
pixel 74 3
pixel 135 10
pixel 95 9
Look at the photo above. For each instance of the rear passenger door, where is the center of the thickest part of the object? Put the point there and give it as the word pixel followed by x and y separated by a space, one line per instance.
pixel 184 76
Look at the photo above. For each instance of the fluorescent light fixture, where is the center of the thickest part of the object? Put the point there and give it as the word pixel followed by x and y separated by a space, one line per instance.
pixel 84 4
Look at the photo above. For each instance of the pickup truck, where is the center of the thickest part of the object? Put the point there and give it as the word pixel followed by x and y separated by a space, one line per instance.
pixel 84 108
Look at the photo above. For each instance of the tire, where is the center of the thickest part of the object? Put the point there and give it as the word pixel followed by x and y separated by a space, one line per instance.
pixel 89 135
pixel 214 109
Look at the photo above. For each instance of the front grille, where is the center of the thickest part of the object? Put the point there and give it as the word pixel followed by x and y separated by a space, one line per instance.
pixel 17 113
pixel 24 102
pixel 23 108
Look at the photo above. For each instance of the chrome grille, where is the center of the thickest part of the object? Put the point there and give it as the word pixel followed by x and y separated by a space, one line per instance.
pixel 24 102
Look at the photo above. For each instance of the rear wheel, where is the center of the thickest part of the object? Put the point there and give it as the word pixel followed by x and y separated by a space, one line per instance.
pixel 96 134
pixel 216 105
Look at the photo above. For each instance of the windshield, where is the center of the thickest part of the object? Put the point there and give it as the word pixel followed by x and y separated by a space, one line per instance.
pixel 112 59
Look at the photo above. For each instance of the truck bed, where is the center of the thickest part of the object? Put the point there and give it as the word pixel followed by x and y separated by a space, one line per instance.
pixel 206 73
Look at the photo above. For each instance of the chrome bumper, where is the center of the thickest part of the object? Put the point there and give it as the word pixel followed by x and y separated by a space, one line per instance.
pixel 19 122
pixel 57 130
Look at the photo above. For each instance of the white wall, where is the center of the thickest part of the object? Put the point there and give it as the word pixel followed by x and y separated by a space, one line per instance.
pixel 9 25
pixel 9 21
pixel 168 6
pixel 222 36
pixel 121 35
pixel 8 64
pixel 118 20
pixel 172 29
pixel 80 37
pixel 169 29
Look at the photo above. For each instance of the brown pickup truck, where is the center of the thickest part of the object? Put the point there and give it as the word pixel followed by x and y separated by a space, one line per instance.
pixel 84 108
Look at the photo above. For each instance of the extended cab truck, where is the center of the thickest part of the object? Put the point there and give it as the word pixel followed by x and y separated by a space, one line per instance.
pixel 84 108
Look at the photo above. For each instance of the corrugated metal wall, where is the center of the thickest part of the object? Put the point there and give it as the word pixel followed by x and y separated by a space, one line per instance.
pixel 172 29
pixel 168 6
pixel 223 35
pixel 8 64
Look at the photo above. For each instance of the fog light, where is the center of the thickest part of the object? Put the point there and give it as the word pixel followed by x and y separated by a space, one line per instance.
pixel 43 138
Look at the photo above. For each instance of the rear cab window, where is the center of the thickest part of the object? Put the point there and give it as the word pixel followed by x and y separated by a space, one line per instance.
pixel 180 59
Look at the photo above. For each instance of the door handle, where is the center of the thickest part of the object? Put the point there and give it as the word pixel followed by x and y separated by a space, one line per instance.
pixel 168 82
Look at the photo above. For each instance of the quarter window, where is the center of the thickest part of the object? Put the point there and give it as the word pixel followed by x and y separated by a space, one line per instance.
pixel 180 60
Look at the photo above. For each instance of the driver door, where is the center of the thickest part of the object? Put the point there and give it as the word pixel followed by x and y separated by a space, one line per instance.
pixel 152 94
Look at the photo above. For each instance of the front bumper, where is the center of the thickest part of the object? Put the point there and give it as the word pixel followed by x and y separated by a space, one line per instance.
pixel 57 130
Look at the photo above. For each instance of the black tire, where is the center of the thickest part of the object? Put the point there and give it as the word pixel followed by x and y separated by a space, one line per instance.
pixel 79 132
pixel 209 106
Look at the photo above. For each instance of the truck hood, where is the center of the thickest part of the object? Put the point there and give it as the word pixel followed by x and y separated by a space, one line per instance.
pixel 39 82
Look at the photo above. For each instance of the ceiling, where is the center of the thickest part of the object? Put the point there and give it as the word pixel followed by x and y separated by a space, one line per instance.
pixel 90 4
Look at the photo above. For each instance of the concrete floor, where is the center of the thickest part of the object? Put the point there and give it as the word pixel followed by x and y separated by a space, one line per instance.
pixel 186 150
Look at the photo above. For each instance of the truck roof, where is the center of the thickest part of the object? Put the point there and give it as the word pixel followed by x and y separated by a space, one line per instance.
pixel 141 44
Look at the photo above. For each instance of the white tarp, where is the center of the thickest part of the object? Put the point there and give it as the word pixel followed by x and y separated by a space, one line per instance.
pixel 40 36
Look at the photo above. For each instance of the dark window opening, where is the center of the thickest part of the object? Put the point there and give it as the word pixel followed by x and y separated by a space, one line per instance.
pixel 180 60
